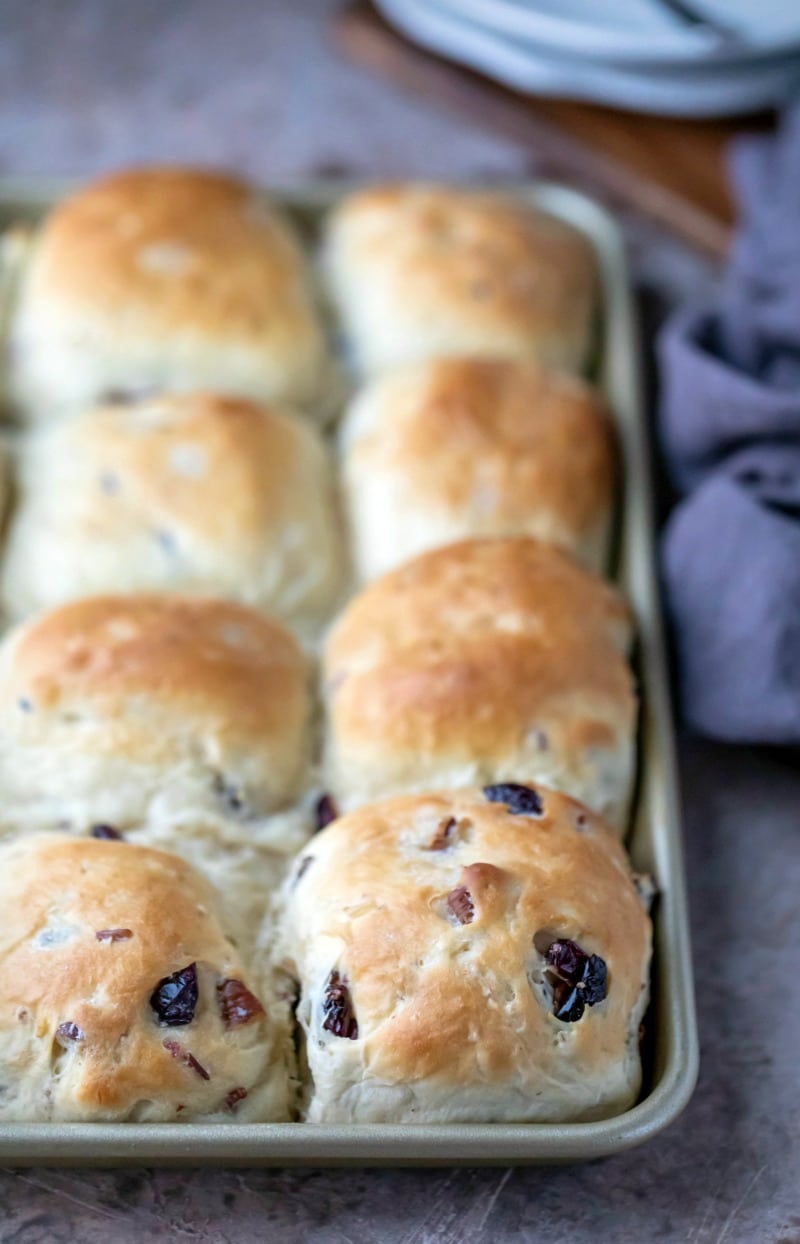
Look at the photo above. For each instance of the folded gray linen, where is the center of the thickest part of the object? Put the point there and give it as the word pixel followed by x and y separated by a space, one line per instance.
pixel 730 427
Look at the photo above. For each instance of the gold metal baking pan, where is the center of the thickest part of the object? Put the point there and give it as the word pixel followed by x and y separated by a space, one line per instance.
pixel 670 1050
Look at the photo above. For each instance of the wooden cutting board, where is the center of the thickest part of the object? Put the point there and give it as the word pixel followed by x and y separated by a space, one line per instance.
pixel 673 170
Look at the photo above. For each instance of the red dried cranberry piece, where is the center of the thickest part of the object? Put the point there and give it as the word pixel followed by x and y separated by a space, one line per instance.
pixel 68 1032
pixel 228 793
pixel 174 998
pixel 325 811
pixel 188 1059
pixel 303 867
pixel 113 935
pixel 106 831
pixel 460 903
pixel 444 834
pixel 595 978
pixel 236 1003
pixel 578 979
pixel 192 1062
pixel 233 1098
pixel 520 800
pixel 568 1002
pixel 337 1008
pixel 566 959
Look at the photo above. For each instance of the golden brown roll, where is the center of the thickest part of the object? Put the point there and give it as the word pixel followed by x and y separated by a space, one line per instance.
pixel 470 956
pixel 489 660
pixel 439 451
pixel 165 278
pixel 420 271
pixel 124 709
pixel 123 998
pixel 189 492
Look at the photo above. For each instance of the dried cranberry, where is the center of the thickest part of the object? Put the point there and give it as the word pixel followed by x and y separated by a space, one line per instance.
pixel 68 1032
pixel 568 1002
pixel 444 834
pixel 192 1062
pixel 106 831
pixel 460 903
pixel 566 959
pixel 578 979
pixel 174 998
pixel 303 867
pixel 233 1098
pixel 113 935
pixel 236 1003
pixel 228 793
pixel 337 1008
pixel 595 979
pixel 325 811
pixel 520 800
pixel 188 1059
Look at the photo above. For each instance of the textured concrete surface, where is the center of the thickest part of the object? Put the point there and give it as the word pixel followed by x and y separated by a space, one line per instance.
pixel 253 84
pixel 248 84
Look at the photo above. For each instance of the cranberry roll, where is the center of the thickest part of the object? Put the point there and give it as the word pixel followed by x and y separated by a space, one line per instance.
pixel 469 956
pixel 489 660
pixel 187 492
pixel 122 995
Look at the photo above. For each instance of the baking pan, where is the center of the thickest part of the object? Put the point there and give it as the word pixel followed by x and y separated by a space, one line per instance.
pixel 670 1049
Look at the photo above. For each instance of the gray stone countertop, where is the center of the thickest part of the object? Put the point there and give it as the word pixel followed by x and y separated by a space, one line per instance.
pixel 254 85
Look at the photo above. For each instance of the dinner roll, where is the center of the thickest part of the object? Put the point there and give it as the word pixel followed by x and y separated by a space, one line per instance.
pixel 438 451
pixel 419 271
pixel 468 957
pixel 118 709
pixel 165 278
pixel 122 998
pixel 185 492
pixel 489 660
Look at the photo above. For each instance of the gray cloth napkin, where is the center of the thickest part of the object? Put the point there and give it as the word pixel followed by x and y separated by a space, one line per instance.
pixel 730 425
